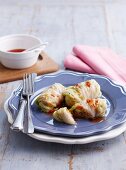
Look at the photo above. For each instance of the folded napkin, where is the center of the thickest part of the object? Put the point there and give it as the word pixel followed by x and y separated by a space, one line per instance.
pixel 97 60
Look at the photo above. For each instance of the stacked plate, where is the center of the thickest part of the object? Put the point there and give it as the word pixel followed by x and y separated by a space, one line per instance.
pixel 46 129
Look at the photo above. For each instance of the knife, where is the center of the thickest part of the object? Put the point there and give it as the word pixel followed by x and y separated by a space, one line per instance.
pixel 18 122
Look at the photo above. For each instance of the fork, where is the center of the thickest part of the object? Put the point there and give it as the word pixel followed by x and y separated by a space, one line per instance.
pixel 27 92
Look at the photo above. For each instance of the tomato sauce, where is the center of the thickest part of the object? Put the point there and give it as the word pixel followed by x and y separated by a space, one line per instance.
pixel 16 50
pixel 97 120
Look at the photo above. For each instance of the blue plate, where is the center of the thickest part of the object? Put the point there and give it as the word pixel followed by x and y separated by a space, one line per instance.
pixel 114 94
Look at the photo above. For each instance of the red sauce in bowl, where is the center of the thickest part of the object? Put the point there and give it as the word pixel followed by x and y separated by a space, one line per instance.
pixel 16 50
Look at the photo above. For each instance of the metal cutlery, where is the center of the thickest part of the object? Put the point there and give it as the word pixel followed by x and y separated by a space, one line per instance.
pixel 18 122
pixel 27 91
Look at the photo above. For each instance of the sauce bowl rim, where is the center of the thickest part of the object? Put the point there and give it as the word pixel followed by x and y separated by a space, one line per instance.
pixel 18 35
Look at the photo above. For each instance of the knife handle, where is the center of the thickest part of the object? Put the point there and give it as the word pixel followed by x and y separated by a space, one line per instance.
pixel 18 123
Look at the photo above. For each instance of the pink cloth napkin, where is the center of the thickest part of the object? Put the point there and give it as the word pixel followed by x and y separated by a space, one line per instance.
pixel 97 60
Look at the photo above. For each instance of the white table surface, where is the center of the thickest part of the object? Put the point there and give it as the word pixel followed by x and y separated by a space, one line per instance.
pixel 63 23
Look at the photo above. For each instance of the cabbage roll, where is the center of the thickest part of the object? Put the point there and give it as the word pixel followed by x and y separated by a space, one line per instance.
pixel 82 91
pixel 89 108
pixel 51 98
pixel 64 115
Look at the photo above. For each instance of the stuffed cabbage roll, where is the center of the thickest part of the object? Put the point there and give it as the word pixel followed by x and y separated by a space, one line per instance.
pixel 82 91
pixel 64 115
pixel 72 95
pixel 51 98
pixel 90 108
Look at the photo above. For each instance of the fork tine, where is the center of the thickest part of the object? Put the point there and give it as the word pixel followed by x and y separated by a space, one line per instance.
pixel 30 83
pixel 33 79
pixel 24 85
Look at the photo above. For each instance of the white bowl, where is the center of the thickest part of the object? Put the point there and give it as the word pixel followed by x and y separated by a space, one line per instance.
pixel 19 60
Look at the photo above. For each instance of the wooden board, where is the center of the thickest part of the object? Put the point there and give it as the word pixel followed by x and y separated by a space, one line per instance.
pixel 44 65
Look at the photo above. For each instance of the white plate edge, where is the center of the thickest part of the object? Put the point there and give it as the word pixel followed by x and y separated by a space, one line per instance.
pixel 65 140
